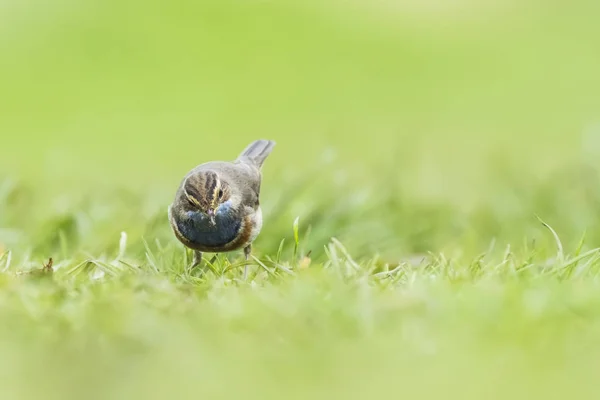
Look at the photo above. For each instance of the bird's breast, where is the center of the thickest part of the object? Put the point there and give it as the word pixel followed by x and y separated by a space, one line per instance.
pixel 196 228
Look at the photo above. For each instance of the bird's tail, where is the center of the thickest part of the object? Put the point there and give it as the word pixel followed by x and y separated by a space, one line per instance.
pixel 257 152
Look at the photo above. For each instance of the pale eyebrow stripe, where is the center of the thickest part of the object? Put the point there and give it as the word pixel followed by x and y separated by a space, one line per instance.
pixel 189 197
pixel 214 194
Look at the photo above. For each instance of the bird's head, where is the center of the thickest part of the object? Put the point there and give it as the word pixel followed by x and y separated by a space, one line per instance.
pixel 205 192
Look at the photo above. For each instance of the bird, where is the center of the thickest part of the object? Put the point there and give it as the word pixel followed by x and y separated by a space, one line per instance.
pixel 217 208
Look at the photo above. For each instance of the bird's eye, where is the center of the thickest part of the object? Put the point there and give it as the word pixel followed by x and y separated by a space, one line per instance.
pixel 221 193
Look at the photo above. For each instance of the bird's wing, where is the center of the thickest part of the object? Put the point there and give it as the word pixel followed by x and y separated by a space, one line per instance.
pixel 247 178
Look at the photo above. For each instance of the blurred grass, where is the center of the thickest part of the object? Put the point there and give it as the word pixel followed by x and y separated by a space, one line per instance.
pixel 408 130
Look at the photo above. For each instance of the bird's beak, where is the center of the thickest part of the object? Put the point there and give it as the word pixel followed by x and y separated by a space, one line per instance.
pixel 211 216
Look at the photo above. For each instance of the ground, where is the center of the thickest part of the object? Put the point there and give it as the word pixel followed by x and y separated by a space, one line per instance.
pixel 431 207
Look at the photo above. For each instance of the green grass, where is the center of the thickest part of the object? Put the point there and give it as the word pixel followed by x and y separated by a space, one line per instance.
pixel 431 207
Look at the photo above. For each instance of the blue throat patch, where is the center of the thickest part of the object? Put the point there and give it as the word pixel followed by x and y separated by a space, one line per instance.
pixel 198 230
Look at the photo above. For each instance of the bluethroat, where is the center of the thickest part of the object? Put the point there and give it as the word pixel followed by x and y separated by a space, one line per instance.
pixel 216 208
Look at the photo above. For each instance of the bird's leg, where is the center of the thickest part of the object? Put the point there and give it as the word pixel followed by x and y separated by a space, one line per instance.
pixel 247 251
pixel 197 259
